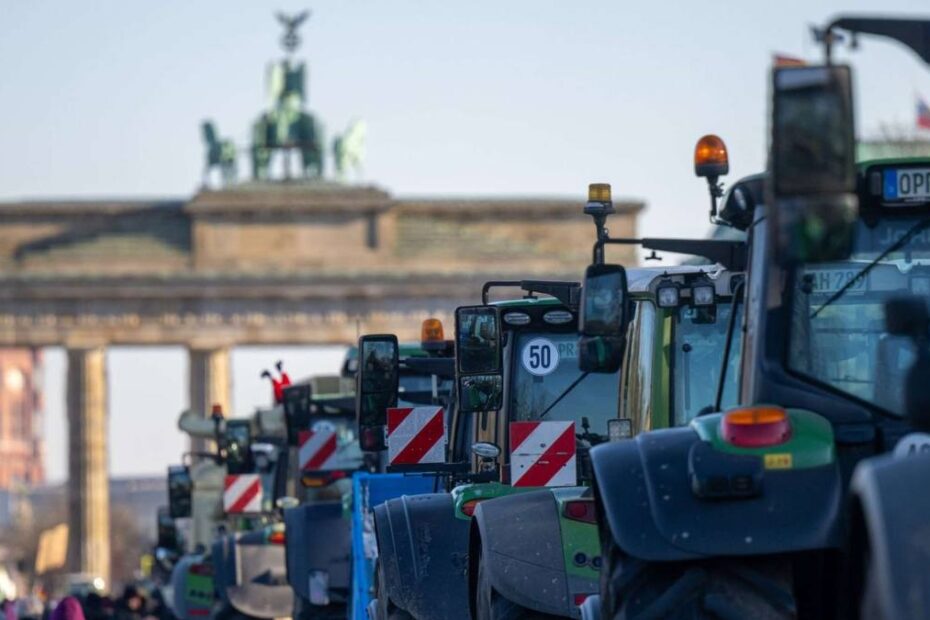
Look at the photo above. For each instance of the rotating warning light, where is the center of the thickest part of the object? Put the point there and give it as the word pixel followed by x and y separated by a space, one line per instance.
pixel 431 331
pixel 710 157
pixel 599 192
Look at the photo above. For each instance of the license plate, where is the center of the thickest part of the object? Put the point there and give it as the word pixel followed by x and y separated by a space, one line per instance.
pixel 906 184
pixel 832 280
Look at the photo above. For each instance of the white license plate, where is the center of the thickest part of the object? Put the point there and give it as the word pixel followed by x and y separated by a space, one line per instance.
pixel 832 280
pixel 906 184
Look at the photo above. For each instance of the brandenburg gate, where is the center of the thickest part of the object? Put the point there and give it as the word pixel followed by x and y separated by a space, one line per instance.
pixel 261 263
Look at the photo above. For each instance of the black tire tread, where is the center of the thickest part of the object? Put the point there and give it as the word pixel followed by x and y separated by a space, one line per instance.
pixel 717 589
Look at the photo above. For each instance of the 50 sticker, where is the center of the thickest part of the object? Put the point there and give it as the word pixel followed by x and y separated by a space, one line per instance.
pixel 540 356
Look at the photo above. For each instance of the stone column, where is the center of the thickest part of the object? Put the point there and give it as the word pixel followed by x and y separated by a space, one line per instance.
pixel 88 480
pixel 209 384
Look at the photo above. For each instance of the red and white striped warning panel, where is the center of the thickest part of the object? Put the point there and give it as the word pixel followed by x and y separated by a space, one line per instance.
pixel 542 454
pixel 317 450
pixel 416 435
pixel 242 494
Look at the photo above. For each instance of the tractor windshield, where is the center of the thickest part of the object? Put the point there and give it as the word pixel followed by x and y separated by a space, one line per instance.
pixel 699 337
pixel 838 337
pixel 544 367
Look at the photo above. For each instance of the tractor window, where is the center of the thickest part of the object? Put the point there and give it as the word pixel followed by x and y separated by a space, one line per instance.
pixel 697 353
pixel 545 365
pixel 839 339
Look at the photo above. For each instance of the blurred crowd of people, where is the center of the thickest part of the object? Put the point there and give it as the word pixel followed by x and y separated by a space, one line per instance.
pixel 134 604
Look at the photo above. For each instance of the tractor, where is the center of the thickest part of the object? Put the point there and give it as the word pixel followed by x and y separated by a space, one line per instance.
pixel 747 511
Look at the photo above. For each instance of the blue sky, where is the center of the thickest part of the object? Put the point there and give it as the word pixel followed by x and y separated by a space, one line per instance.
pixel 480 97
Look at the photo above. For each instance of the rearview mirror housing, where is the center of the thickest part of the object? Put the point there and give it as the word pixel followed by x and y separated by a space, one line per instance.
pixel 180 490
pixel 477 340
pixel 238 446
pixel 604 301
pixel 812 179
pixel 297 402
pixel 478 358
pixel 378 380
pixel 603 319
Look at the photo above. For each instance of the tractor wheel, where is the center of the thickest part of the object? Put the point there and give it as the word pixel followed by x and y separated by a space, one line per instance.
pixel 492 606
pixel 385 608
pixel 718 589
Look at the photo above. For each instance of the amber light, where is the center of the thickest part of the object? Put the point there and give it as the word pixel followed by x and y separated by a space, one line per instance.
pixel 599 192
pixel 277 538
pixel 468 508
pixel 756 427
pixel 431 331
pixel 710 157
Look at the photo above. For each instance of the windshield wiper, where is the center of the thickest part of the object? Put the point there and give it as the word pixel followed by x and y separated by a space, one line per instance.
pixel 563 394
pixel 897 245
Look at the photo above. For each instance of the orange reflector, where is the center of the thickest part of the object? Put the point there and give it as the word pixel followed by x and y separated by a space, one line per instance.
pixel 431 331
pixel 277 538
pixel 599 192
pixel 468 508
pixel 313 482
pixel 784 60
pixel 710 157
pixel 755 427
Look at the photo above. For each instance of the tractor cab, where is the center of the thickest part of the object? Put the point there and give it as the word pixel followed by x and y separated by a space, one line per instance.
pixel 519 380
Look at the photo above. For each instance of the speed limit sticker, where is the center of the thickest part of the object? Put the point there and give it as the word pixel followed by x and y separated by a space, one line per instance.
pixel 540 356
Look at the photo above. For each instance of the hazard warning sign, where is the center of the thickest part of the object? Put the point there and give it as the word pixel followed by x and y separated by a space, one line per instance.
pixel 242 494
pixel 416 435
pixel 542 454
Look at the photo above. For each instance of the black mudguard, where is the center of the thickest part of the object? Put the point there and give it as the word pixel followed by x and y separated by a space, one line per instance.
pixel 521 545
pixel 319 538
pixel 890 495
pixel 644 492
pixel 250 575
pixel 422 548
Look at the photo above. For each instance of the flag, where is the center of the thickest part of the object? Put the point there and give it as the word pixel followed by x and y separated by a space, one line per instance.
pixel 923 114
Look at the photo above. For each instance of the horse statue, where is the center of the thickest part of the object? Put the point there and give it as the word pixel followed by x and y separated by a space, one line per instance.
pixel 349 149
pixel 220 153
pixel 286 125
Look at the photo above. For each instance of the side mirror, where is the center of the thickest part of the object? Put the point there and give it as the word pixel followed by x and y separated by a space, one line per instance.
pixel 604 318
pixel 478 358
pixel 168 537
pixel 377 385
pixel 238 446
pixel 180 489
pixel 812 164
pixel 297 400
pixel 908 316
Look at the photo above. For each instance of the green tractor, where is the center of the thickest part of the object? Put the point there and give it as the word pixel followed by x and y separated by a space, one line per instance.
pixel 745 513
pixel 319 538
pixel 517 365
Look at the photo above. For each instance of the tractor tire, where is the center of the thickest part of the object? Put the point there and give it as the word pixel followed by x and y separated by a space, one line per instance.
pixel 386 610
pixel 492 606
pixel 717 589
